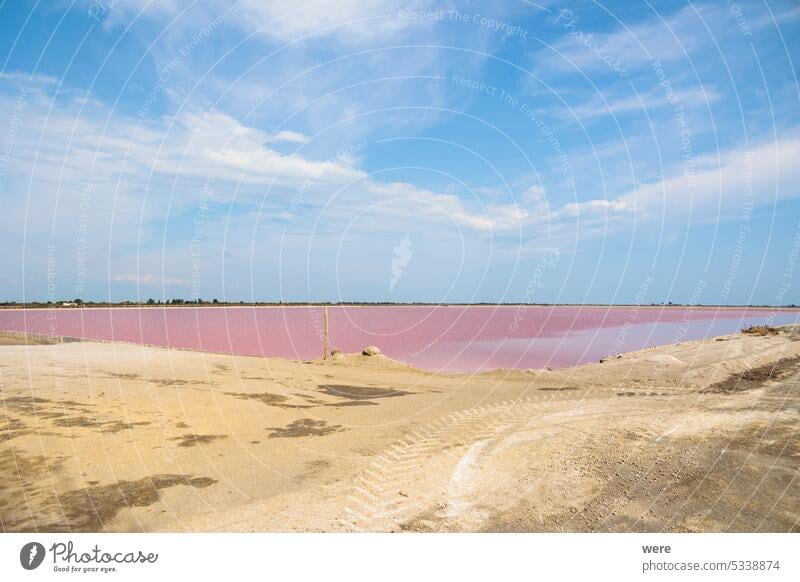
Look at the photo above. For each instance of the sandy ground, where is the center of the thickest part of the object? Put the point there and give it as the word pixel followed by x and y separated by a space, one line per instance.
pixel 699 436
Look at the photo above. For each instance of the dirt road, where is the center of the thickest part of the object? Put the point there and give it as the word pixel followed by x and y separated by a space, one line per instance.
pixel 700 436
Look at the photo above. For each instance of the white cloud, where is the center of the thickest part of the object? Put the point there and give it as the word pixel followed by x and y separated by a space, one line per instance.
pixel 664 38
pixel 643 103
pixel 534 194
pixel 761 174
pixel 25 79
pixel 286 136
pixel 133 278
pixel 723 185
pixel 349 21
pixel 174 158
pixel 149 279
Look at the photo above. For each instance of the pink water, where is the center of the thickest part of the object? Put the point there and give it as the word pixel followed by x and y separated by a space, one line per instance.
pixel 430 337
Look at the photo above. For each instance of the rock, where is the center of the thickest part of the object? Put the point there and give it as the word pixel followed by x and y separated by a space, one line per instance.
pixel 337 354
pixel 370 351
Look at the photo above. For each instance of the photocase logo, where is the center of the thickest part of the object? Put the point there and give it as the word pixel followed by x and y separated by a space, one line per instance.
pixel 402 255
pixel 31 555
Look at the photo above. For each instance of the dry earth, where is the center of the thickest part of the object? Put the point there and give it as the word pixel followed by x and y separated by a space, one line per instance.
pixel 699 436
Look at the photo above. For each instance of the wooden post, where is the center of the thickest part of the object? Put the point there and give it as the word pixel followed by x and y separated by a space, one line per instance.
pixel 325 324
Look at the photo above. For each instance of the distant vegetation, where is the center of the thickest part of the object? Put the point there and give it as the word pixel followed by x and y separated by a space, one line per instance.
pixel 761 330
pixel 180 302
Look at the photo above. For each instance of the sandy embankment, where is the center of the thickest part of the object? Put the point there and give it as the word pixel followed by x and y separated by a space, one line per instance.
pixel 700 436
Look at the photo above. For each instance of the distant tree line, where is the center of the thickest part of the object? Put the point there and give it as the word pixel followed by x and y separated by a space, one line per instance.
pixel 215 302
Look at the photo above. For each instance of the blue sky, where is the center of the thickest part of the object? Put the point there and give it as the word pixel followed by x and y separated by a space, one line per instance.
pixel 400 151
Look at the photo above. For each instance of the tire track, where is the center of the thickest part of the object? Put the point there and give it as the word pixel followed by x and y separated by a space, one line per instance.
pixel 398 485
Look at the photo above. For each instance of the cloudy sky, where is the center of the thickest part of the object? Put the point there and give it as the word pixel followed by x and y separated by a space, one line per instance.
pixel 375 150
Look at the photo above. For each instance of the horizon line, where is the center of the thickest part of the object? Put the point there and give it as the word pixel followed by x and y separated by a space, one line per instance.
pixel 72 304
